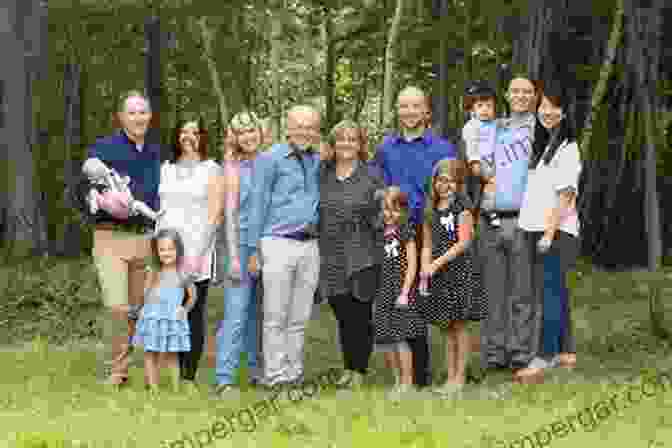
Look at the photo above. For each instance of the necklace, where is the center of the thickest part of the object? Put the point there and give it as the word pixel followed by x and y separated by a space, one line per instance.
pixel 185 169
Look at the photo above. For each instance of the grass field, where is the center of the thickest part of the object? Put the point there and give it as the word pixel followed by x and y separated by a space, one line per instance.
pixel 49 396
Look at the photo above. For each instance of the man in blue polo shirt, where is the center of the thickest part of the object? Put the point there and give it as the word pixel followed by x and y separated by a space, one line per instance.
pixel 406 160
pixel 120 248
pixel 282 233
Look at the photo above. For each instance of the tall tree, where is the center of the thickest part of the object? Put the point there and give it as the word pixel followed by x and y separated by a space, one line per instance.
pixel 22 207
pixel 390 61
pixel 613 180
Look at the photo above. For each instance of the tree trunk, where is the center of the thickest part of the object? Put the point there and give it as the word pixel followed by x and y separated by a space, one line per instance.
pixel 70 244
pixel 607 69
pixel 390 62
pixel 276 48
pixel 19 175
pixel 612 148
pixel 153 82
pixel 207 39
pixel 329 83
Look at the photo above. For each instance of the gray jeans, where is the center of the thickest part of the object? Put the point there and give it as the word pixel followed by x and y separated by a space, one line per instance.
pixel 290 272
pixel 510 336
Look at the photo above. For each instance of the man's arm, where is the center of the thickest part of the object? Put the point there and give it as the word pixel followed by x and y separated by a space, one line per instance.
pixel 263 171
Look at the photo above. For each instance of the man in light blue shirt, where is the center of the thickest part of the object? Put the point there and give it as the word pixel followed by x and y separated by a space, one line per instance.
pixel 282 235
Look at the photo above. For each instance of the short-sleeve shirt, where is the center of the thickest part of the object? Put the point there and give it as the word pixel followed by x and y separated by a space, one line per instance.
pixel 409 165
pixel 544 183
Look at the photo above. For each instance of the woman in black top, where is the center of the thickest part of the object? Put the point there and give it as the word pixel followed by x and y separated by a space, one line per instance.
pixel 350 243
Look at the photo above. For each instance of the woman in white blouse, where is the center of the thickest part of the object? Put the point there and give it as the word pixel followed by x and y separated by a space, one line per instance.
pixel 551 224
pixel 192 192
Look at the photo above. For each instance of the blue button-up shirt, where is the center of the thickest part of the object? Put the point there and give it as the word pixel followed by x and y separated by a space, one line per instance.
pixel 409 165
pixel 284 197
pixel 142 166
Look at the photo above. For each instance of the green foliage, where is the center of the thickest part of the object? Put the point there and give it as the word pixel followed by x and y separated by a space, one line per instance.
pixel 46 297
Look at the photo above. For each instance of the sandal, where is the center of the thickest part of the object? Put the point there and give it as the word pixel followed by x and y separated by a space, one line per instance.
pixel 567 360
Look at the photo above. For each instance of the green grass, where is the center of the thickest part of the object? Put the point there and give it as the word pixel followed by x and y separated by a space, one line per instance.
pixel 49 396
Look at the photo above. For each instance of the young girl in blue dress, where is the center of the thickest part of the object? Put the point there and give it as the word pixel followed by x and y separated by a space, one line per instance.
pixel 456 292
pixel 163 327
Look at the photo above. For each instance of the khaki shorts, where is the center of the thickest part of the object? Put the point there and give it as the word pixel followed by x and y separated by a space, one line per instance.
pixel 120 259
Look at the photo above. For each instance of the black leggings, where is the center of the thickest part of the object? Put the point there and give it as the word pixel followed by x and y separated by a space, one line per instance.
pixel 197 325
pixel 355 330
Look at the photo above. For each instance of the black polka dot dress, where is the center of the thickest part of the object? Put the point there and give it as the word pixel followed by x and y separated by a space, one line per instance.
pixel 456 290
pixel 392 324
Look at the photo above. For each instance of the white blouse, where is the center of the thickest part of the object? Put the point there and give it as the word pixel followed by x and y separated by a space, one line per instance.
pixel 543 184
pixel 183 194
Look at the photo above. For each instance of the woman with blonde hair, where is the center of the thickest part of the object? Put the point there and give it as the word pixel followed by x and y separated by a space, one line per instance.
pixel 238 331
pixel 350 243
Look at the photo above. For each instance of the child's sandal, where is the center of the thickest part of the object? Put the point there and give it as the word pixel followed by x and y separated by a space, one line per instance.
pixel 567 360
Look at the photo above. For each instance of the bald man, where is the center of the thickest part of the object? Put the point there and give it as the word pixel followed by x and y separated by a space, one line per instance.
pixel 282 236
pixel 406 159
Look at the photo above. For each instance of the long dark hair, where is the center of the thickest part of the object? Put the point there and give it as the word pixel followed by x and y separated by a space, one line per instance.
pixel 176 147
pixel 543 138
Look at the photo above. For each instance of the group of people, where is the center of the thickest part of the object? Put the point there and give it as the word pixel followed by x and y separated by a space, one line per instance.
pixel 388 242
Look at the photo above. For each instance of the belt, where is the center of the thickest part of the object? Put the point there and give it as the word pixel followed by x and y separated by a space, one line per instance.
pixel 300 236
pixel 124 227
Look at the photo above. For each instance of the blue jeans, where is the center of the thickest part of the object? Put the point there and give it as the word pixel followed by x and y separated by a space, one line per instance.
pixel 554 305
pixel 557 335
pixel 238 331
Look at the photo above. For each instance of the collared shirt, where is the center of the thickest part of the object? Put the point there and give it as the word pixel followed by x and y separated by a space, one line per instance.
pixel 350 235
pixel 409 165
pixel 284 194
pixel 143 167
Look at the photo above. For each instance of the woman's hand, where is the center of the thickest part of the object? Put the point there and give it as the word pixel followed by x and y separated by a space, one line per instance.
pixel 544 244
pixel 253 266
pixel 429 269
pixel 234 271
pixel 181 313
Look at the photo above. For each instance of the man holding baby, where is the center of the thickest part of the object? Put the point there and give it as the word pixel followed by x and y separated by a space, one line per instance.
pixel 120 247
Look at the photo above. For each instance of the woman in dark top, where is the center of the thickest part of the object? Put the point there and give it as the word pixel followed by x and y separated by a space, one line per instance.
pixel 350 244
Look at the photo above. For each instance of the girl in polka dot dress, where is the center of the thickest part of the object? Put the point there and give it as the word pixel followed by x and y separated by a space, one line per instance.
pixel 456 292
pixel 396 317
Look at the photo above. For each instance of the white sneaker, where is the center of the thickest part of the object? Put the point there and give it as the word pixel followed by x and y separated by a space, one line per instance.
pixel 539 363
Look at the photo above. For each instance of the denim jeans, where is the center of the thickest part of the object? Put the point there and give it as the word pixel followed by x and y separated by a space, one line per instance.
pixel 557 332
pixel 237 332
